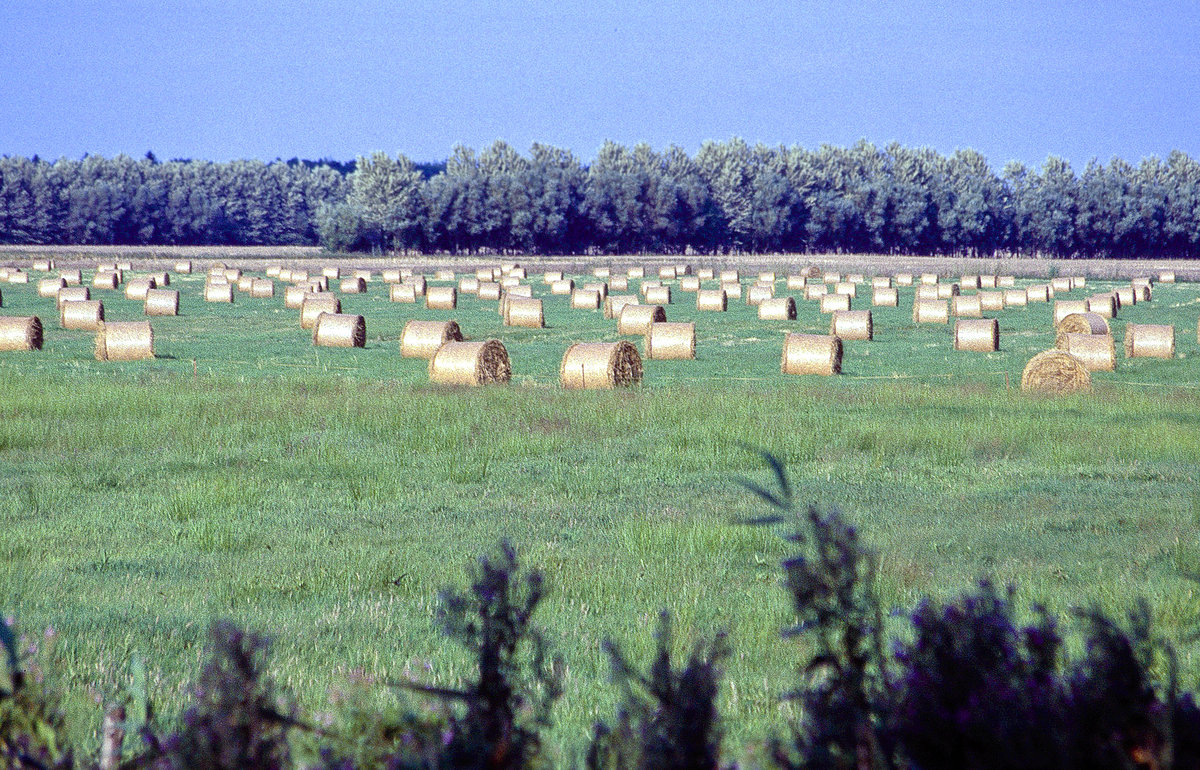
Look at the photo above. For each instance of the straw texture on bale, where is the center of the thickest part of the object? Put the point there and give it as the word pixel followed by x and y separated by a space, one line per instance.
pixel 1135 282
pixel 1125 295
pixel 618 283
pixel 856 278
pixel 421 339
pixel 391 275
pixel 732 290
pixel 830 277
pixel 1078 323
pixel 352 286
pixel 300 276
pixel 969 282
pixel 402 292
pixel 86 315
pixel 658 295
pixel 72 294
pixel 293 296
pixel 48 287
pixel 73 277
pixel 124 341
pixel 316 304
pixel 635 272
pixel 991 301
pixel 233 273
pixel 885 297
pixel 161 278
pixel 670 341
pixel 713 300
pixel 667 272
pixel 815 291
pixel 418 283
pixel 1097 351
pixel 43 265
pixel 218 292
pixel 947 290
pixel 1078 281
pixel 852 325
pixel 337 330
pixel 589 365
pixel 966 306
pixel 931 311
pixel 1038 292
pixel 796 282
pixel 162 302
pixel 525 312
pixel 759 292
pixel 847 288
pixel 729 276
pixel 105 281
pixel 138 288
pixel 517 272
pixel 364 274
pixel 636 319
pixel 470 363
pixel 1166 276
pixel 441 298
pixel 1015 298
pixel 1062 284
pixel 811 354
pixel 524 290
pixel 262 288
pixel 485 274
pixel 489 290
pixel 777 309
pixel 987 281
pixel 767 276
pixel 904 279
pixel 647 286
pixel 981 335
pixel 1006 281
pixel 689 283
pixel 1055 372
pixel 833 302
pixel 20 333
pixel 614 302
pixel 332 273
pixel 929 279
pixel 881 282
pixel 597 286
pixel 18 276
pixel 925 292
pixel 706 274
pixel 245 283
pixel 1149 341
pixel 562 287
pixel 585 299
pixel 1103 304
pixel 274 271
pixel 509 281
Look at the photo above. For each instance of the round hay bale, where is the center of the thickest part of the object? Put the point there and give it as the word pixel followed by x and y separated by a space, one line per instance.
pixel 601 272
pixel 1125 296
pixel 796 282
pixel 966 306
pixel 273 271
pixel 667 273
pixel 585 299
pixel 834 302
pixel 161 278
pixel 815 291
pixel 636 319
pixel 1149 341
pixel 43 265
pixel 811 354
pixel 689 283
pixel 262 288
pixel 981 335
pixel 1078 281
pixel 947 290
pixel 232 274
pixel 446 275
pixel 293 296
pixel 20 333
pixel 658 295
pixel 613 304
pixel 285 274
pixel 391 275
pixel 316 304
pixel 758 293
pixel 337 330
pixel 597 286
pixel 517 272
pixel 903 279
pixel 885 297
pixel 856 278
pixel 73 277
pixel 509 282
pixel 139 287
pixel 831 277
pixel 402 292
pixel 441 298
pixel 489 290
pixel 1038 293
pixel 468 284
pixel 106 280
pixel 485 274
pixel 881 282
pixel 847 288
pixel 1078 323
pixel 1166 276
pixel 72 294
pixel 589 365
pixel 1103 305
pixel 852 325
pixel 17 276
pixel 562 287
pixel 301 276
pixel 1005 281
pixel 162 302
pixel 706 274
pixel 524 290
pixel 124 341
pixel 418 283
pixel 618 283
pixel 647 286
pixel 366 275
pixel 777 309
pixel 969 281
pixel 1055 372
pixel 216 268
pixel 1061 284
pixel 525 312
pixel 331 272
pixel 86 315
pixel 1098 352
pixel 991 301
pixel 931 311
pixel 218 292
pixel 1015 298
pixel 925 293
pixel 352 286
pixel 730 276
pixel 987 281
pixel 713 300
pixel 767 276
pixel 733 291
pixel 421 339
pixel 929 279
pixel 670 341
pixel 635 272
pixel 48 287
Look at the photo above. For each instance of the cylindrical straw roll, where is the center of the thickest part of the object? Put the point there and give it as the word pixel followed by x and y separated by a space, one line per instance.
pixel 273 271
pixel 524 290
pixel 881 282
pixel 517 272
pixel 468 284
pixel 981 335
pixel 991 301
pixel 509 282
pixel 418 283
pixel 885 297
pixel 43 265
pixel 105 280
pixel 1078 323
pixel 796 282
pixel 1078 281
pixel 73 277
pixel 733 291
pixel 903 279
pixel 987 281
pixel 585 299
pixel 216 268
pixel 18 276
pixel 1138 282
pixel 777 309
pixel 847 288
pixel 298 276
pixel 947 290
pixel 1060 284
pixel 713 300
pixel 1125 295
pixel 1103 304
pixel 331 272
pixel 352 286
pixel 588 365
pixel 1038 292
pixel 966 306
pixel 1166 276
pixel 124 341
pixel 618 283
pixel 391 275
pixel 138 288
pixel 925 292
pixel 647 286
pixel 232 274
pixel 1015 298
pixel 86 315
pixel 20 333
pixel 72 294
pixel 833 302
pixel 635 272
pixel 441 298
pixel 689 283
pixel 562 287
pixel 1149 341
pixel 597 286
pixel 670 341
pixel 815 291
pixel 852 325
pixel 636 319
pixel 444 275
pixel 245 283
pixel 856 278
pixel 126 265
pixel 161 278
pixel 759 292
pixel 162 302
pixel 316 304
pixel 929 279
pixel 48 287
pixel 706 274
pixel 402 292
pixel 337 330
pixel 551 276
pixel 489 290
pixel 729 276
pixel 1006 281
pixel 1055 372
pixel 421 339
pixel 928 311
pixel 811 354
pixel 667 273
pixel 1097 351
pixel 658 295
pixel 614 302
pixel 363 273
pixel 284 274
pixel 524 311
pixel 470 363
pixel 218 292
pixel 969 281
pixel 485 274
pixel 262 288
pixel 293 296
pixel 831 277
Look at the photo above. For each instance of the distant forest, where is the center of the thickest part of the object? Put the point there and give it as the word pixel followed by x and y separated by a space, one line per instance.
pixel 728 197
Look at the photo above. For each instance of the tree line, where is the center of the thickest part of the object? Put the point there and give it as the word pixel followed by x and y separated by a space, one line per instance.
pixel 730 197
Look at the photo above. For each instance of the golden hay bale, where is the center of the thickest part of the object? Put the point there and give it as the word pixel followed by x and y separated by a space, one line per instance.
pixel 670 341
pixel 1149 341
pixel 232 274
pixel 1062 284
pixel 981 335
pixel 3 273
pixel 904 279
pixel 636 319
pixel 1078 281
pixel 618 283
pixel 162 302
pixel 668 273
pixel 441 298
pixel 105 280
pixel 124 265
pixel 489 290
pixel 831 277
pixel 881 282
pixel 1055 372
pixel 991 301
pixel 517 272
pixel 925 293
pixel 525 312
pixel 811 354
pixel 391 275
pixel 274 271
pixel 931 311
pixel 1166 276
pixel 689 283
pixel 929 279
pixel 647 286
pixel 732 290
pixel 366 275
pixel 1135 282
pixel 1038 293
pixel 316 304
pixel 124 341
pixel 331 272
pixel 468 284
pixel 597 286
pixel 635 272
pixel 524 290
pixel 852 325
pixel 947 290
pixel 847 288
pixel 402 292
pixel 1097 351
pixel 245 283
pixel 73 277
pixel 885 297
pixel 444 275
pixel 352 286
pixel 589 365
pixel 1015 298
pixel 421 339
pixel 777 309
pixel 601 272
pixel 43 265
pixel 262 288
pixel 1125 296
pixel 48 287
pixel 1006 281
pixel 509 281
pixel 285 275
pixel 987 281
pixel 1078 323
pixel 706 274
pixel 1103 304
pixel 418 283
pixel 20 333
pixel 969 306
pixel 658 295
pixel 17 276
pixel 767 276
pixel 713 300
pixel 337 330
pixel 969 281
pixel 729 276
pixel 86 315
pixel 216 268
pixel 796 282
pixel 293 296
pixel 138 287
pixel 815 290
pixel 470 363
pixel 562 287
pixel 218 292
pixel 161 278
pixel 72 294
pixel 300 276
pixel 856 278
pixel 758 293
pixel 613 304
pixel 834 302
pixel 585 299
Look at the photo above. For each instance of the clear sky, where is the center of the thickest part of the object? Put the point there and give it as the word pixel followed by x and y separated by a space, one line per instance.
pixel 219 79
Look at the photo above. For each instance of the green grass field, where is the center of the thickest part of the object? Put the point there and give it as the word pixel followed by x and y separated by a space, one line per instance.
pixel 324 496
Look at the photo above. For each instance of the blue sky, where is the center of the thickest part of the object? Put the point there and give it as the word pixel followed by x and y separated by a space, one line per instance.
pixel 220 79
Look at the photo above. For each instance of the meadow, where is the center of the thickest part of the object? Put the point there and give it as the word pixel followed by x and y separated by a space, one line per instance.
pixel 323 496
